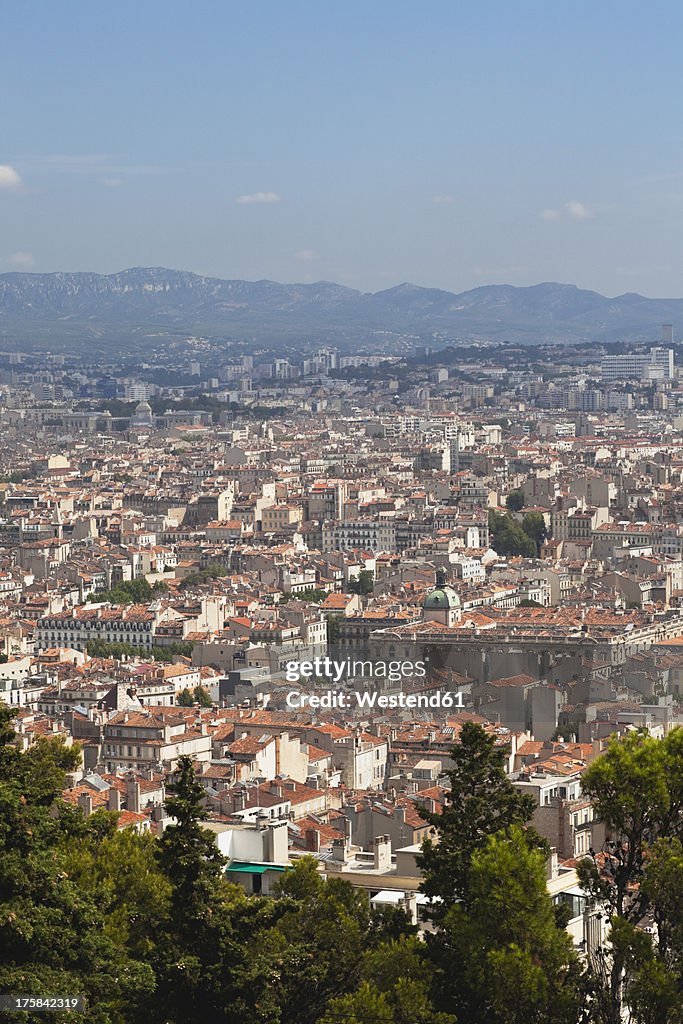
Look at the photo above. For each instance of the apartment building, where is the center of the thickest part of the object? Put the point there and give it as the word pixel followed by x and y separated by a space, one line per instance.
pixel 77 627
pixel 154 738
pixel 369 534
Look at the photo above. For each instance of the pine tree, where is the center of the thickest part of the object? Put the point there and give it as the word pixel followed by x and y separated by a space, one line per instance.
pixel 210 960
pixel 481 801
pixel 501 956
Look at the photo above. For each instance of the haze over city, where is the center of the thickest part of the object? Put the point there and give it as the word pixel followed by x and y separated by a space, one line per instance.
pixel 367 145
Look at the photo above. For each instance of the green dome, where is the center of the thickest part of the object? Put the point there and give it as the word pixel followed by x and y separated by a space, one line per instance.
pixel 442 597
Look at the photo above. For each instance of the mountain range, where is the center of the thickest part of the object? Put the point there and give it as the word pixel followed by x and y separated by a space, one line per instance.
pixel 100 305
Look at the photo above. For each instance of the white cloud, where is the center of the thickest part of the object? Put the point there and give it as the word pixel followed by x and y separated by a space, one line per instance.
pixel 551 215
pixel 442 200
pixel 577 210
pixel 112 182
pixel 258 197
pixel 22 259
pixel 574 209
pixel 306 255
pixel 9 177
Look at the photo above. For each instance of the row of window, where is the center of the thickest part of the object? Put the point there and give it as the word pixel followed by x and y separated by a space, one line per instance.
pixel 114 751
pixel 96 624
pixel 69 639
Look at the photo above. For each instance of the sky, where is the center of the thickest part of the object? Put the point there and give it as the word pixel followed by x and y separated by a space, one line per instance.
pixel 367 142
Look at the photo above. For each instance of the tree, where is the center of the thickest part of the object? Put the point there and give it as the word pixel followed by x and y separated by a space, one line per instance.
pixel 121 869
pixel 396 982
pixel 534 526
pixel 636 788
pixel 515 501
pixel 320 941
pixel 187 851
pixel 130 592
pixel 54 934
pixel 364 584
pixel 185 698
pixel 333 623
pixel 364 1005
pixel 211 962
pixel 654 968
pixel 106 649
pixel 212 571
pixel 202 697
pixel 508 537
pixel 481 801
pixel 501 956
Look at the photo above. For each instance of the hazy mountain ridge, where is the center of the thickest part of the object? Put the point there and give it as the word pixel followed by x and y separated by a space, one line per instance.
pixel 542 312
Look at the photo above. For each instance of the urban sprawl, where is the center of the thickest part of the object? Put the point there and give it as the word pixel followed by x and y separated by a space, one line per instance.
pixel 307 578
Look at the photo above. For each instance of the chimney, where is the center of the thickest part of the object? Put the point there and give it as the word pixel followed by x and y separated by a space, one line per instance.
pixel 85 802
pixel 339 850
pixel 312 837
pixel 158 814
pixel 408 903
pixel 382 853
pixel 133 794
pixel 114 799
pixel 430 804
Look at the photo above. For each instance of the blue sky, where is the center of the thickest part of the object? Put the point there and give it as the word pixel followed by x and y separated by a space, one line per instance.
pixel 369 143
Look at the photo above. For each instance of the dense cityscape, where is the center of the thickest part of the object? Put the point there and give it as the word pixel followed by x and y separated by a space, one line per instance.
pixel 291 590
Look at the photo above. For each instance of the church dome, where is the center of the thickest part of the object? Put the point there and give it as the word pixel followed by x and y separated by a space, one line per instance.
pixel 441 597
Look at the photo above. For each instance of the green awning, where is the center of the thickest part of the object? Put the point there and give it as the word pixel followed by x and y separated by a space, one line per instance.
pixel 252 869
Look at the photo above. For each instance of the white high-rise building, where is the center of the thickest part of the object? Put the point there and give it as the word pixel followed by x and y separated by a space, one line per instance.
pixel 137 391
pixel 657 364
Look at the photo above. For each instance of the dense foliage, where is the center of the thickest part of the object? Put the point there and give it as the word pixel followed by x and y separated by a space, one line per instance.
pixel 212 571
pixel 364 584
pixel 500 954
pixel 130 592
pixel 510 537
pixel 149 930
pixel 199 695
pixel 636 788
pixel 114 649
